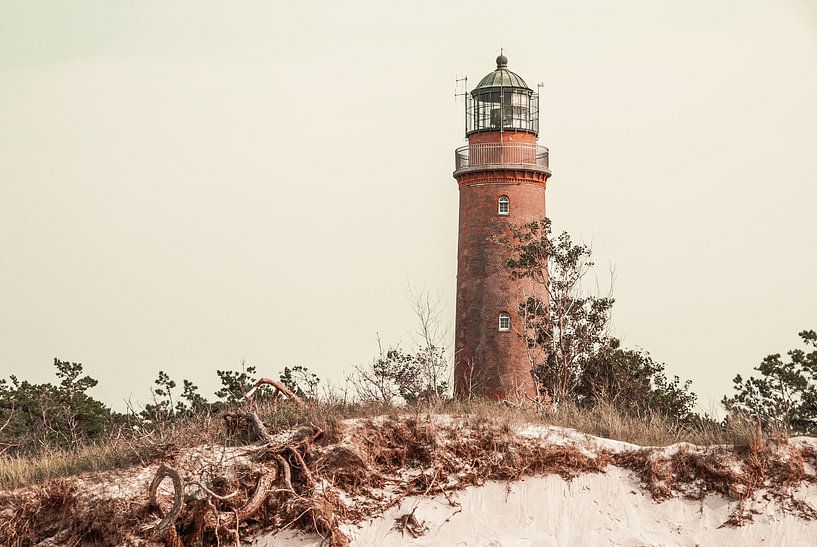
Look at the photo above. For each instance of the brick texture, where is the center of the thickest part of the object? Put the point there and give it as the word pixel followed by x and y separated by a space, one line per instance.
pixel 490 363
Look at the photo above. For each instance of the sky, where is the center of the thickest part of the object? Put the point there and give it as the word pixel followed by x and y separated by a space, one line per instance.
pixel 185 185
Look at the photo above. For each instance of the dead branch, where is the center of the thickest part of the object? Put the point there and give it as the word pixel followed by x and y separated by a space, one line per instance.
pixel 213 494
pixel 258 425
pixel 12 413
pixel 263 487
pixel 409 523
pixel 279 387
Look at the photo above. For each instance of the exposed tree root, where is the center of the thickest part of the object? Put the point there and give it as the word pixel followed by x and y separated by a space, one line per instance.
pixel 165 530
pixel 286 491
pixel 774 467
pixel 216 520
pixel 307 479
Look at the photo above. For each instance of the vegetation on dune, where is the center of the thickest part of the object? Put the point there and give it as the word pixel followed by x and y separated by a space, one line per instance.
pixel 154 442
pixel 784 394
pixel 36 417
pixel 563 324
pixel 583 377
pixel 634 384
pixel 327 472
pixel 565 327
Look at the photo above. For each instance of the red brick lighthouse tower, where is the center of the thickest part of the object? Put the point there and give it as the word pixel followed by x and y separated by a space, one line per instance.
pixel 501 174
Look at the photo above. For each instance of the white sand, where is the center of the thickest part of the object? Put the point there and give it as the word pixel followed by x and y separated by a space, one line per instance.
pixel 592 510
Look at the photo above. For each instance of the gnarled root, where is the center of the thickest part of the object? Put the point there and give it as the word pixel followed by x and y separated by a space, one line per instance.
pixel 309 505
pixel 287 490
pixel 297 499
pixel 165 529
pixel 231 519
pixel 307 474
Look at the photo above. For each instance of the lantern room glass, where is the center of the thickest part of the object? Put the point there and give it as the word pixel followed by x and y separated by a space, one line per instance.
pixel 494 109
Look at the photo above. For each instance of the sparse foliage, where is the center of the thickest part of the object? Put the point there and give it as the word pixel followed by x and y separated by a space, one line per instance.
pixel 377 381
pixel 234 384
pixel 785 392
pixel 162 408
pixel 430 340
pixel 410 377
pixel 301 381
pixel 563 325
pixel 395 375
pixel 194 402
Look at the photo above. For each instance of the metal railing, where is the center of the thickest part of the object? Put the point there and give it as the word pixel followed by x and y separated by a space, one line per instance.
pixel 510 154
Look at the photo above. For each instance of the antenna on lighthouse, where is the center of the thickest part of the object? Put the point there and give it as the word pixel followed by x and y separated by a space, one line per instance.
pixel 460 83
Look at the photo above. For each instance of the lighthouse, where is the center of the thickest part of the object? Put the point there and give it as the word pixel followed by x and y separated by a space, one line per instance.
pixel 501 173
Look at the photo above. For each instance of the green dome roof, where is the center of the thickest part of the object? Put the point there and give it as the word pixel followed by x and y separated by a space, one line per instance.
pixel 502 76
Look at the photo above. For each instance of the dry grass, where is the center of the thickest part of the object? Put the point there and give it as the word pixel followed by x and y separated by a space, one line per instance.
pixel 118 451
pixel 19 471
pixel 122 450
pixel 606 421
pixel 652 429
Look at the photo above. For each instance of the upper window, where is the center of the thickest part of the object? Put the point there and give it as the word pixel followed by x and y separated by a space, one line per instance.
pixel 504 205
pixel 504 322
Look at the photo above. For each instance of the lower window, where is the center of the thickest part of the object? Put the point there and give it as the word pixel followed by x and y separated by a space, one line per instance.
pixel 504 322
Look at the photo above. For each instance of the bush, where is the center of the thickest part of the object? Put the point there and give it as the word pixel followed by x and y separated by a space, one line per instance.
pixel 785 393
pixel 634 384
pixel 33 416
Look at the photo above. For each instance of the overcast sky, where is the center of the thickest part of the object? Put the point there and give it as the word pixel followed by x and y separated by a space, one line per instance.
pixel 184 185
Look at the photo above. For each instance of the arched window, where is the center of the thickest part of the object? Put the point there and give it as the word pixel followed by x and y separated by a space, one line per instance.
pixel 504 205
pixel 504 322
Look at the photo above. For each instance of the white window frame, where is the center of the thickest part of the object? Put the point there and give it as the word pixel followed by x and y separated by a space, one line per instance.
pixel 506 201
pixel 504 322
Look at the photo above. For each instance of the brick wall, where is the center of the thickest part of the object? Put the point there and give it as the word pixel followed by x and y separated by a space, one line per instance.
pixel 488 362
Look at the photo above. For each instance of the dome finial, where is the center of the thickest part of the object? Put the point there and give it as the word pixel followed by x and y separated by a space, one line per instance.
pixel 501 61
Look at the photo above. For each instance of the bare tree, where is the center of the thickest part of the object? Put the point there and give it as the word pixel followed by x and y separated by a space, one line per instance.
pixel 472 380
pixel 372 382
pixel 419 375
pixel 430 341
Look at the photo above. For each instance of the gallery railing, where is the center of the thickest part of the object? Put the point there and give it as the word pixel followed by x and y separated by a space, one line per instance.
pixel 506 154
